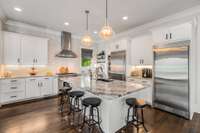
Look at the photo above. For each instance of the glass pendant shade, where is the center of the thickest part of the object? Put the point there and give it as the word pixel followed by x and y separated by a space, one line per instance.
pixel 87 39
pixel 106 31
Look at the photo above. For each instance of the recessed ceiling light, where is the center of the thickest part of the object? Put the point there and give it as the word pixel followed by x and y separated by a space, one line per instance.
pixel 66 23
pixel 125 18
pixel 17 9
pixel 95 32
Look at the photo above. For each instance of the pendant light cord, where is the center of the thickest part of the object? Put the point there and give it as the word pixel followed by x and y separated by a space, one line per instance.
pixel 106 12
pixel 87 12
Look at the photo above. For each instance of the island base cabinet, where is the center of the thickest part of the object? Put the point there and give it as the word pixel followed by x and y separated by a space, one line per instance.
pixel 113 112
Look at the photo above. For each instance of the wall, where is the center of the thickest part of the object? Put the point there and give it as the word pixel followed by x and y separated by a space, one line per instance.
pixel 54 46
pixel 1 46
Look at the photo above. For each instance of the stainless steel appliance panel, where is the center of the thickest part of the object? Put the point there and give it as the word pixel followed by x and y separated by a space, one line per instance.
pixel 171 78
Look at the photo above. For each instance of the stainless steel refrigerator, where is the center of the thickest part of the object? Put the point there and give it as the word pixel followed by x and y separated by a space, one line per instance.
pixel 117 65
pixel 171 78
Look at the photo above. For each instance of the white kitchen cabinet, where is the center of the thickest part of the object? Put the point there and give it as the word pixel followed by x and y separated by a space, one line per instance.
pixel 55 85
pixel 118 45
pixel 24 49
pixel 12 48
pixel 32 88
pixel 34 50
pixel 141 50
pixel 175 33
pixel 12 90
pixel 46 86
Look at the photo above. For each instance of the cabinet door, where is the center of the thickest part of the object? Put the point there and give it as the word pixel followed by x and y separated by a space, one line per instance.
pixel 34 50
pixel 160 35
pixel 46 85
pixel 41 53
pixel 28 50
pixel 55 85
pixel 12 48
pixel 141 50
pixel 32 88
pixel 181 32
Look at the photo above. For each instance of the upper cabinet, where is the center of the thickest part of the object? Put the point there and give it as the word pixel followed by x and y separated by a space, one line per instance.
pixel 118 45
pixel 34 50
pixel 141 50
pixel 25 50
pixel 179 32
pixel 12 48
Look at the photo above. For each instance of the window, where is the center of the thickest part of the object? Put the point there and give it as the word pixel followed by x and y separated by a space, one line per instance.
pixel 86 57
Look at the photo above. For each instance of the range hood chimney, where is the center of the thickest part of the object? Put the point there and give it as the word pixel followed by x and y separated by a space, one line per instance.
pixel 66 51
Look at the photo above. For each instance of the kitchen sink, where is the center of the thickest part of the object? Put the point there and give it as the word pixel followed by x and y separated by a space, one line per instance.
pixel 105 80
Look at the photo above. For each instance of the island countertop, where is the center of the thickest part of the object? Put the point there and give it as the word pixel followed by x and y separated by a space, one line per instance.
pixel 108 90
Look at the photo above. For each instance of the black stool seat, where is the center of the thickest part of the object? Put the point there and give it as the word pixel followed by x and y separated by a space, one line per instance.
pixel 91 101
pixel 76 94
pixel 131 101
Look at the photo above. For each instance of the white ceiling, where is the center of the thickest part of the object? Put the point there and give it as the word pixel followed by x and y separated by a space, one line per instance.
pixel 53 13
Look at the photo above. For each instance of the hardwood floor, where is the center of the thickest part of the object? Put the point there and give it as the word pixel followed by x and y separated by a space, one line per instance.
pixel 43 117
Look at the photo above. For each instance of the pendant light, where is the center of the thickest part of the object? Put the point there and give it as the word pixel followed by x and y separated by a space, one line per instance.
pixel 106 31
pixel 87 39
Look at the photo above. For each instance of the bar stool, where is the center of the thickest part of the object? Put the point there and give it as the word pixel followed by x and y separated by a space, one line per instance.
pixel 63 94
pixel 92 103
pixel 136 105
pixel 75 107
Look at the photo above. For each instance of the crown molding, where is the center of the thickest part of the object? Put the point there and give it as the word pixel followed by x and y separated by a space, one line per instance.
pixel 183 16
pixel 36 28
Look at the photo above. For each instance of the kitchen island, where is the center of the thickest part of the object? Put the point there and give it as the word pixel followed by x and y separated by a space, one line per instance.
pixel 113 109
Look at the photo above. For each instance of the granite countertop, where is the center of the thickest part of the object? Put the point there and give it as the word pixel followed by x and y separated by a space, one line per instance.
pixel 114 89
pixel 25 76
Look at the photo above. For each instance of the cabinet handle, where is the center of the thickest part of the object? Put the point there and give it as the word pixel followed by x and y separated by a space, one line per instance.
pixel 170 35
pixel 166 37
pixel 13 81
pixel 18 60
pixel 13 96
pixel 13 88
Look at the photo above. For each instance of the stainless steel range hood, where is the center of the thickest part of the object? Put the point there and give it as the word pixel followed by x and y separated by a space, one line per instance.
pixel 66 51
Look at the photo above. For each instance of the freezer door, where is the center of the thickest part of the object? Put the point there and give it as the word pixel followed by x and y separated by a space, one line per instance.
pixel 171 79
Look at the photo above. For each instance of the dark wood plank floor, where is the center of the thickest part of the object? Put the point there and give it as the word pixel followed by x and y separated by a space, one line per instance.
pixel 43 117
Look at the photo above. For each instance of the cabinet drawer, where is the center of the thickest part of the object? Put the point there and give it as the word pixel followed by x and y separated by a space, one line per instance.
pixel 12 96
pixel 12 88
pixel 12 81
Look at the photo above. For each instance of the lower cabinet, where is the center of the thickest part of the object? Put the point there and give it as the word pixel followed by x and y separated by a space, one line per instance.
pixel 13 90
pixel 32 88
pixel 46 86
